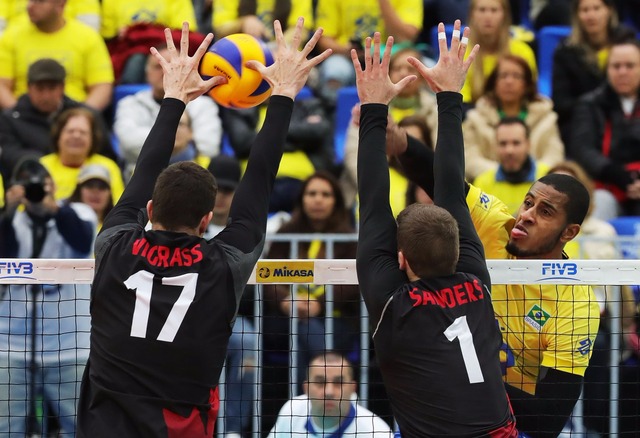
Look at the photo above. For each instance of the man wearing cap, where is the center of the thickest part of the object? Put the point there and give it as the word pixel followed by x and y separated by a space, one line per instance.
pixel 25 129
pixel 48 34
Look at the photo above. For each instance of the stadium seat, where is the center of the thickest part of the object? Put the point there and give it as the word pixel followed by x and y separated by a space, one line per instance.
pixel 347 98
pixel 305 93
pixel 627 227
pixel 548 38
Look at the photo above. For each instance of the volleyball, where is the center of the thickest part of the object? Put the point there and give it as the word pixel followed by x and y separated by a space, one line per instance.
pixel 245 87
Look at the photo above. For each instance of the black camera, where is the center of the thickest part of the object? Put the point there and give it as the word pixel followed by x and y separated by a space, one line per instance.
pixel 34 188
pixel 31 174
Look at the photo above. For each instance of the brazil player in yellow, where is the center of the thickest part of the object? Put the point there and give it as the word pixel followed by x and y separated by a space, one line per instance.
pixel 548 330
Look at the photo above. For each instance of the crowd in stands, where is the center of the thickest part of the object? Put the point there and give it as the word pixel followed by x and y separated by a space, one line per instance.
pixel 62 63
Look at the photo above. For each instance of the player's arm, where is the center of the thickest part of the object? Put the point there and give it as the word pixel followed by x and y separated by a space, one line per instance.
pixel 182 83
pixel 287 75
pixel 376 258
pixel 446 79
pixel 544 414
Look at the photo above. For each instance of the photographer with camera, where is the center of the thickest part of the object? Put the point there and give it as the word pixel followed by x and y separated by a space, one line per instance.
pixel 44 329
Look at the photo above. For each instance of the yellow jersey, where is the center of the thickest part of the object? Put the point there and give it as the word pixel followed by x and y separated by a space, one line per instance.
pixel 548 325
pixel 492 220
pixel 65 178
pixel 347 20
pixel 493 181
pixel 120 14
pixel 76 46
pixel 227 11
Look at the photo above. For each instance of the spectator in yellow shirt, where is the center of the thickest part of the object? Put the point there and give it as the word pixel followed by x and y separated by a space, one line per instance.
pixel 48 34
pixel 76 143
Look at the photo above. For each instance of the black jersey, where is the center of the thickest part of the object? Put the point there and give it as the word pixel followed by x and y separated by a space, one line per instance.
pixel 163 303
pixel 436 340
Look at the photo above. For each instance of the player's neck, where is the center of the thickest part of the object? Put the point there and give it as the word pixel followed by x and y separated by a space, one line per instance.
pixel 187 230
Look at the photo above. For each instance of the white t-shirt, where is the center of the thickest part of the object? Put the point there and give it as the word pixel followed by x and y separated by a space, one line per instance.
pixel 294 421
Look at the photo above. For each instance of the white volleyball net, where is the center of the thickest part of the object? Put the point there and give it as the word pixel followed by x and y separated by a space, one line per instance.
pixel 44 339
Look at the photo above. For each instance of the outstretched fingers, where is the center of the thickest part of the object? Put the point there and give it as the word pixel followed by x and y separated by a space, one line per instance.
pixel 171 47
pixel 442 39
pixel 472 56
pixel 277 32
pixel 184 40
pixel 455 37
pixel 402 83
pixel 386 58
pixel 311 44
pixel 297 34
pixel 202 48
pixel 418 65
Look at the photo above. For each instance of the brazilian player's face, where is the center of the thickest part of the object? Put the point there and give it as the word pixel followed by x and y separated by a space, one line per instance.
pixel 540 224
pixel 330 387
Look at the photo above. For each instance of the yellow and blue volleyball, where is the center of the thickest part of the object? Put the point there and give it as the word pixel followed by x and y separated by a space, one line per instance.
pixel 226 57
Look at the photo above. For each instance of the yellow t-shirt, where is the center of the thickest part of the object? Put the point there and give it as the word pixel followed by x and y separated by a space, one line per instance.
pixel 118 14
pixel 545 325
pixel 516 47
pixel 226 11
pixel 14 10
pixel 66 178
pixel 492 220
pixel 511 194
pixel 76 46
pixel 345 20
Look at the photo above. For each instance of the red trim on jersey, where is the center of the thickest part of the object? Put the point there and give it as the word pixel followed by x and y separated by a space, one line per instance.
pixel 606 150
pixel 194 425
pixel 508 430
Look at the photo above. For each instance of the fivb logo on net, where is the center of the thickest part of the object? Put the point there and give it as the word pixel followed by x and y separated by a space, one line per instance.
pixel 16 269
pixel 559 271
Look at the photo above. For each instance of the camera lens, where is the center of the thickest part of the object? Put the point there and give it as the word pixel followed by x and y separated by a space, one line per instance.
pixel 34 191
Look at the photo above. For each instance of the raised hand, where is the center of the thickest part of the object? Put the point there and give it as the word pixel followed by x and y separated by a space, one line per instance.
pixel 290 69
pixel 373 83
pixel 451 69
pixel 181 78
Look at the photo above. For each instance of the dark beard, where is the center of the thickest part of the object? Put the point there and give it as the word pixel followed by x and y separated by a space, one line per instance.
pixel 545 248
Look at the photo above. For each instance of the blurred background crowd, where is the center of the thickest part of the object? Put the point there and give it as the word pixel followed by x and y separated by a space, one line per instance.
pixel 554 89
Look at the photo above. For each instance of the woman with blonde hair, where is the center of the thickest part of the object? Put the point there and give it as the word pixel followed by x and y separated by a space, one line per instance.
pixel 490 23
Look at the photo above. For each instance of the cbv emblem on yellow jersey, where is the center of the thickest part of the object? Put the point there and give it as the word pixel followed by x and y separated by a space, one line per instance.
pixel 536 317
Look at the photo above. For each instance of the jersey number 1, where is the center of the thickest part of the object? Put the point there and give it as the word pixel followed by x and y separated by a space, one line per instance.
pixel 142 283
pixel 460 330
